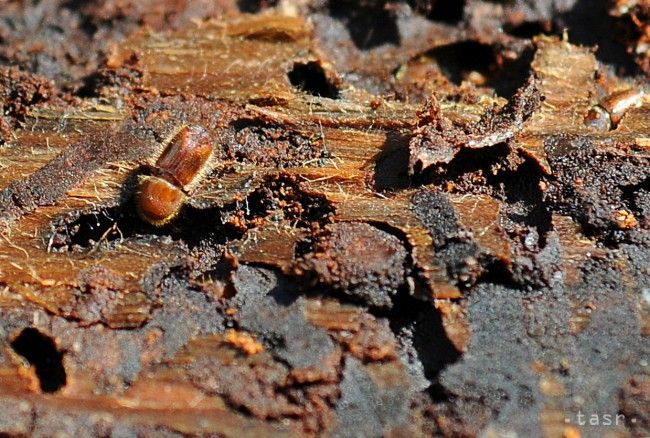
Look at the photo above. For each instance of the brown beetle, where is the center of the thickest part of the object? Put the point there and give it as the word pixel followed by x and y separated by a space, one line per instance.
pixel 608 113
pixel 158 201
pixel 184 159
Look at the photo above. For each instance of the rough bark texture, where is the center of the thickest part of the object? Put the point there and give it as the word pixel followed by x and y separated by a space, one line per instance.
pixel 407 227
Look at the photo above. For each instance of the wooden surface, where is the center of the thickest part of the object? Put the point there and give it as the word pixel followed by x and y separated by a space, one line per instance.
pixel 104 294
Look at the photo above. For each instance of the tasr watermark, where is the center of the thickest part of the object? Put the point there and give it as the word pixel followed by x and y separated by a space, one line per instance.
pixel 598 419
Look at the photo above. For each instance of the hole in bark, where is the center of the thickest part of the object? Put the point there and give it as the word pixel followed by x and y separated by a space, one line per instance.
pixel 253 6
pixel 521 188
pixel 529 29
pixel 108 226
pixel 447 11
pixel 511 74
pixel 590 25
pixel 468 168
pixel 89 229
pixel 418 326
pixel 41 352
pixel 391 167
pixel 276 200
pixel 370 26
pixel 311 78
pixel 637 198
pixel 458 60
